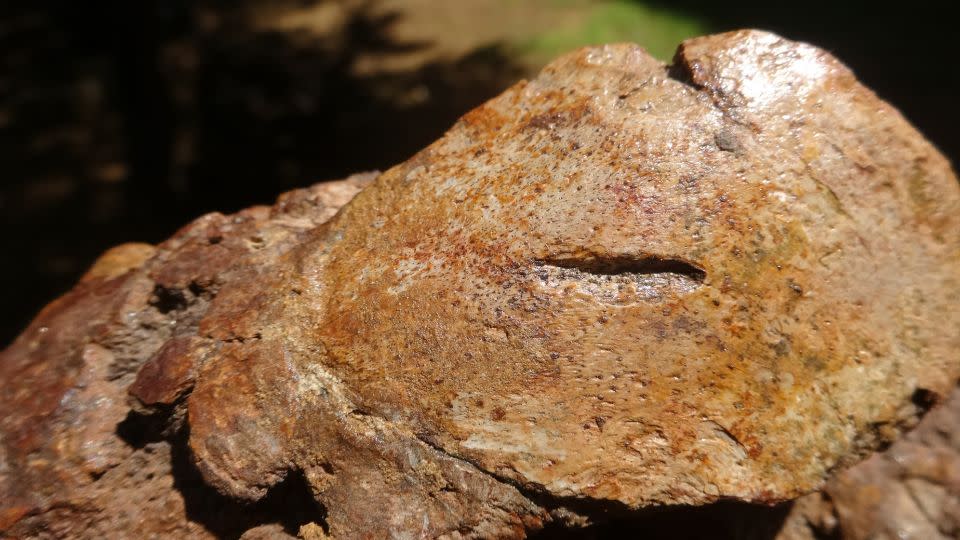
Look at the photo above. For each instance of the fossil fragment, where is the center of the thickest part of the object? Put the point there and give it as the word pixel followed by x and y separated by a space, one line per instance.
pixel 617 286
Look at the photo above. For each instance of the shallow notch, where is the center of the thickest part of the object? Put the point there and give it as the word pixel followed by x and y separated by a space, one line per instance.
pixel 627 264
pixel 621 279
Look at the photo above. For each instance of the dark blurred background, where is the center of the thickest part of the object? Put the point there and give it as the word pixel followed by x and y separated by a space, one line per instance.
pixel 122 120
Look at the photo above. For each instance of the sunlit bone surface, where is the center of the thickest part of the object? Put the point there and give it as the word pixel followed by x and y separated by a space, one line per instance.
pixel 621 283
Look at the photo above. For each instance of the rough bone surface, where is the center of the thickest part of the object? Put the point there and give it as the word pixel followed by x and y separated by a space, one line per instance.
pixel 619 286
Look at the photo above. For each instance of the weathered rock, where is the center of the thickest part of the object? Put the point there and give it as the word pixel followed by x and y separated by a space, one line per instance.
pixel 619 286
pixel 74 460
pixel 911 491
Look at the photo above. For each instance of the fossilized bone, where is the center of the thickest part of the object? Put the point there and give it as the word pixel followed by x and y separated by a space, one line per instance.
pixel 621 283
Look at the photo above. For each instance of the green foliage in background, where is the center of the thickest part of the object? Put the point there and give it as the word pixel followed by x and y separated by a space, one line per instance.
pixel 611 21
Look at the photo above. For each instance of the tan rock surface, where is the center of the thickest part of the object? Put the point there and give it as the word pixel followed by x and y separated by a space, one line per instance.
pixel 617 286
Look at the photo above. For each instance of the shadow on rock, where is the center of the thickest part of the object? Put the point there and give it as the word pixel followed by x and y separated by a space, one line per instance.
pixel 121 121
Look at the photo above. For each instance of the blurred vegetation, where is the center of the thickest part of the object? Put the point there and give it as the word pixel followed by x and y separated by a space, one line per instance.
pixel 120 121
pixel 659 30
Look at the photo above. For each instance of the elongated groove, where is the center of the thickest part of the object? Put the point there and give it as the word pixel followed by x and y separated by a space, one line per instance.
pixel 627 265
pixel 621 280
